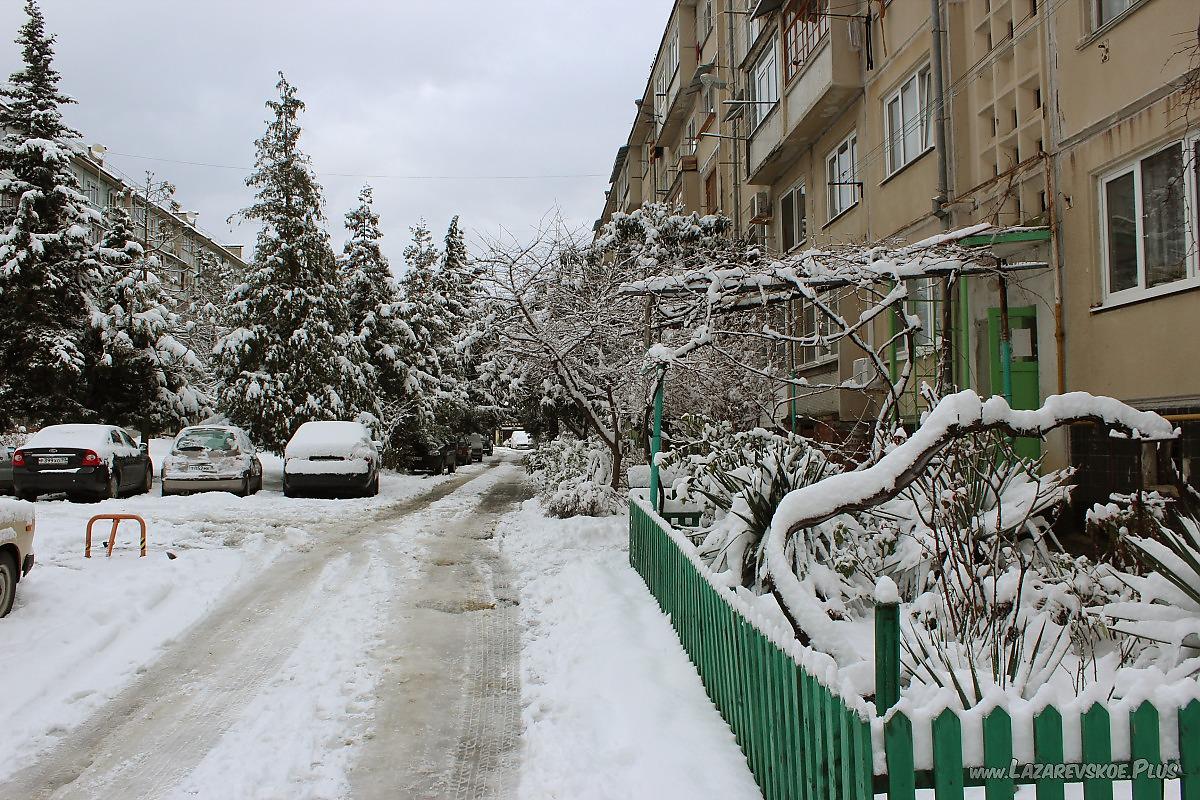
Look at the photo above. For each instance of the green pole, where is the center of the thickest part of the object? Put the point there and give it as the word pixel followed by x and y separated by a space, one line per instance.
pixel 1005 342
pixel 656 441
pixel 964 335
pixel 887 656
pixel 792 400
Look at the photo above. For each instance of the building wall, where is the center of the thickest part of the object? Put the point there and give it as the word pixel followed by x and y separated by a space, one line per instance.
pixel 1040 106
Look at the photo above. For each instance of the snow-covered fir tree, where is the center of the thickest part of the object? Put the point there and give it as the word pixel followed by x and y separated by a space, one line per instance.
pixel 207 306
pixel 469 321
pixel 375 307
pixel 44 266
pixel 290 355
pixel 142 375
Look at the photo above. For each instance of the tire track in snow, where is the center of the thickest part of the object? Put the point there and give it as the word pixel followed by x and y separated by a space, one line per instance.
pixel 145 741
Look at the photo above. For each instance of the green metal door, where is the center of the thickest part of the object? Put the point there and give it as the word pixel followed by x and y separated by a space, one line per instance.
pixel 1026 393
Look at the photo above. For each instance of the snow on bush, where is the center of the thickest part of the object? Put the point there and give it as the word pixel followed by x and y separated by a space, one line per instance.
pixel 992 605
pixel 574 477
pixel 738 479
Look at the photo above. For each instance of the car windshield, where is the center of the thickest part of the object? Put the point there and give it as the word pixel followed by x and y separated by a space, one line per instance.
pixel 207 439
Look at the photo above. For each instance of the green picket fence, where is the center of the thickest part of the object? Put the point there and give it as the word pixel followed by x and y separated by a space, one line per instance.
pixel 803 741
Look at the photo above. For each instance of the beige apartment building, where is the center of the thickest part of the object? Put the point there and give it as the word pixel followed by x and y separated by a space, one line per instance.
pixel 1065 127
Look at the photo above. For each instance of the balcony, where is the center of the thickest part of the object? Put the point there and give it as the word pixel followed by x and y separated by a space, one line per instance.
pixel 822 79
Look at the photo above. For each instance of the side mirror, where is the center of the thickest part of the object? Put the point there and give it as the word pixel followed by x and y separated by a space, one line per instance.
pixel 144 447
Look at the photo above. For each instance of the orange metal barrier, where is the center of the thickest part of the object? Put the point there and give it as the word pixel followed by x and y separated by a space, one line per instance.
pixel 112 537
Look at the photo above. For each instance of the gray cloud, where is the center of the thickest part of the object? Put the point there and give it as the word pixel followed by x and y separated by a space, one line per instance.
pixel 474 88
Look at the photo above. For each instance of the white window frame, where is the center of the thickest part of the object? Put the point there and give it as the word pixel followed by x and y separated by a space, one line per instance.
pixel 1098 23
pixel 836 194
pixel 1191 210
pixel 919 85
pixel 704 21
pixel 799 222
pixel 808 357
pixel 764 85
pixel 672 55
pixel 912 307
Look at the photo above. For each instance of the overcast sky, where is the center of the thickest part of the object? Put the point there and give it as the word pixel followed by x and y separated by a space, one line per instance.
pixel 469 89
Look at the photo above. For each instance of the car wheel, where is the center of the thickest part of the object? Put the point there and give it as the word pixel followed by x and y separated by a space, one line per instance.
pixel 8 582
pixel 148 484
pixel 374 490
pixel 245 490
pixel 288 491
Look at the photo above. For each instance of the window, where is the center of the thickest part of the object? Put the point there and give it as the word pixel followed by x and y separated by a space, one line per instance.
pixel 1105 11
pixel 704 20
pixel 710 101
pixel 1148 232
pixel 814 322
pixel 805 24
pixel 906 121
pixel 753 24
pixel 842 173
pixel 922 304
pixel 672 55
pixel 764 86
pixel 792 226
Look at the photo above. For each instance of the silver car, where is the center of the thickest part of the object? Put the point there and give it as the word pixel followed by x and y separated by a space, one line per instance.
pixel 212 458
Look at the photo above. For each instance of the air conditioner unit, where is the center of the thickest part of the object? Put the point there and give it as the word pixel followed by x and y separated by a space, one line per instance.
pixel 760 208
pixel 863 371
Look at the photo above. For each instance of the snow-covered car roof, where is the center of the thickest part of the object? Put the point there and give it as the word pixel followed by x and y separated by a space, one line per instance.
pixel 326 439
pixel 73 435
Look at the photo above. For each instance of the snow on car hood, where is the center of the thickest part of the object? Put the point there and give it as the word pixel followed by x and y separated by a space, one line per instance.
pixel 337 439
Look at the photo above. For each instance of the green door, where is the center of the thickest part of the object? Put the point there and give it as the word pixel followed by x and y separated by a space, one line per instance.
pixel 1026 393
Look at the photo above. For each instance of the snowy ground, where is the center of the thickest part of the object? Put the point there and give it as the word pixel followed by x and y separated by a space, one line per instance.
pixel 82 629
pixel 442 640
pixel 612 708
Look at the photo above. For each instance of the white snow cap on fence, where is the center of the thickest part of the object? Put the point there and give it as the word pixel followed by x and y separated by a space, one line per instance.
pixel 886 591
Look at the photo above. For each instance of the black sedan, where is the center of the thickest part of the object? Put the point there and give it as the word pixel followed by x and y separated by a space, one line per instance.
pixel 82 461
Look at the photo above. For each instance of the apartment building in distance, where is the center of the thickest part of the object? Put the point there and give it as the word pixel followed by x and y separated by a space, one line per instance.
pixel 1065 124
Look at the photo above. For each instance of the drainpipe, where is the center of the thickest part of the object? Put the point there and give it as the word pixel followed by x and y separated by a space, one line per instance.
pixel 946 359
pixel 734 143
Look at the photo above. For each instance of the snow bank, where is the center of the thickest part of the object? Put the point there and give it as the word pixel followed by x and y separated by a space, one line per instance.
pixel 612 706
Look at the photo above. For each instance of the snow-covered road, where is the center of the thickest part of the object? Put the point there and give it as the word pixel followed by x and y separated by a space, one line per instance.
pixel 369 648
pixel 275 692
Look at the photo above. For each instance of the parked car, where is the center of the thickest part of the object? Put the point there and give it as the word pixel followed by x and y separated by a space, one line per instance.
pixel 435 457
pixel 520 440
pixel 476 441
pixel 16 549
pixel 82 460
pixel 6 479
pixel 333 457
pixel 212 458
pixel 462 451
pixel 488 446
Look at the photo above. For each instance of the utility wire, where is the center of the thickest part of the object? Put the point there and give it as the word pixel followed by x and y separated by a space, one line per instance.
pixel 373 176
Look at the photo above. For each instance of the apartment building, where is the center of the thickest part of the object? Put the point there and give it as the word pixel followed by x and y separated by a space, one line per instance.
pixel 159 224
pixel 1065 127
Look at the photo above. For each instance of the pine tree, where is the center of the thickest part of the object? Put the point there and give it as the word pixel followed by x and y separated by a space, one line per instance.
pixel 423 311
pixel 458 281
pixel 290 356
pixel 44 267
pixel 375 308
pixel 208 307
pixel 143 376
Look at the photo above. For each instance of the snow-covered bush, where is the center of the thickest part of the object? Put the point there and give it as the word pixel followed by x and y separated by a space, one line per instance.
pixel 738 478
pixel 574 478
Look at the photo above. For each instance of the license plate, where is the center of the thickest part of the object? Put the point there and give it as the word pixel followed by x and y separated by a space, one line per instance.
pixel 206 468
pixel 51 461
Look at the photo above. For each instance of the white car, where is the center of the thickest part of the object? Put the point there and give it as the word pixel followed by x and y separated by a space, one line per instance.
pixel 16 548
pixel 212 458
pixel 331 457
